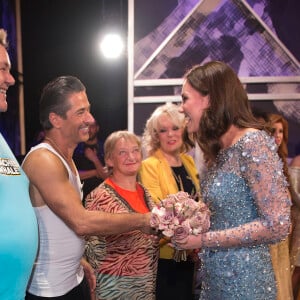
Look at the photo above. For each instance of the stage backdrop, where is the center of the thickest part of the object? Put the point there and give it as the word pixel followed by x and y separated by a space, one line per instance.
pixel 259 39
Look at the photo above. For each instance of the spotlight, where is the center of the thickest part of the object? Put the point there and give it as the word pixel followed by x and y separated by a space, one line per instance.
pixel 112 45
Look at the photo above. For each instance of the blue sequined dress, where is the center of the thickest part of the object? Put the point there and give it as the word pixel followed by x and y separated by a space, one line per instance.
pixel 246 192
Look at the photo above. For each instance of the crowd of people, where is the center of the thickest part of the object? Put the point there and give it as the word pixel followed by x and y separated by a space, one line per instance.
pixel 64 238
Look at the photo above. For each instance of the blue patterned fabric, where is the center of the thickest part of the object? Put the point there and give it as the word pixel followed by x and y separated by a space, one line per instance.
pixel 246 191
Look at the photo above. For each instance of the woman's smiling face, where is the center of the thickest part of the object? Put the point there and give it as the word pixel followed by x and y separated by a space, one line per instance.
pixel 169 135
pixel 193 104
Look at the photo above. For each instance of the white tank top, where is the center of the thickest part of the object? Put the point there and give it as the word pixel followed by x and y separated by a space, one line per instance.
pixel 57 269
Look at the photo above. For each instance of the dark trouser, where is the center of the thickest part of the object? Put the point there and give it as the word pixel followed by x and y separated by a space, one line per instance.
pixel 80 292
pixel 174 280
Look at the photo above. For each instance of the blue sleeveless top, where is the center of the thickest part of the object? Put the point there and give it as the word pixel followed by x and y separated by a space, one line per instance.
pixel 18 227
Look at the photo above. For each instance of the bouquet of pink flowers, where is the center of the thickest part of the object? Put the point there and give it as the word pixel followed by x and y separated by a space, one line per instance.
pixel 178 216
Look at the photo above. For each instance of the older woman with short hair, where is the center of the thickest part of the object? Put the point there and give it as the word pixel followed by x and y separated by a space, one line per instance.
pixel 126 263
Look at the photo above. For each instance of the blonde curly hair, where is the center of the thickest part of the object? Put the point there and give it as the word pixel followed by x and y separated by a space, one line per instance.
pixel 150 139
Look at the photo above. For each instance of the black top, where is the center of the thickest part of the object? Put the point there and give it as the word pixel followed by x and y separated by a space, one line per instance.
pixel 183 180
pixel 84 164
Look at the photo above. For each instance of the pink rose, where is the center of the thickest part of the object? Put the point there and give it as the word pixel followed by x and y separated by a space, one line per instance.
pixel 181 232
pixel 178 207
pixel 168 204
pixel 154 220
pixel 168 232
pixel 157 210
pixel 189 207
pixel 167 218
pixel 181 196
pixel 200 222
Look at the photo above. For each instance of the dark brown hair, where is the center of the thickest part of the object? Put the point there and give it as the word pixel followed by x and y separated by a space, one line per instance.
pixel 55 98
pixel 228 104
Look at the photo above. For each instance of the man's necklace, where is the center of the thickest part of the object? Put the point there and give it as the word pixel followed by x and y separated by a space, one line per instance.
pixel 59 151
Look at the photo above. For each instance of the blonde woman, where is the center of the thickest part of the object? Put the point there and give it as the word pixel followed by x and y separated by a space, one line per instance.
pixel 167 170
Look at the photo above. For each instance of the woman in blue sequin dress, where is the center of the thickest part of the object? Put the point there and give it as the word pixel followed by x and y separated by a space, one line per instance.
pixel 244 187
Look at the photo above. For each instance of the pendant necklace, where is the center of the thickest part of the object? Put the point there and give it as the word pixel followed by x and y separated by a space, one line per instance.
pixel 178 180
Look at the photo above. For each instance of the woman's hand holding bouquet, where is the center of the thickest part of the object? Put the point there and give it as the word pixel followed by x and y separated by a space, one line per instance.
pixel 179 216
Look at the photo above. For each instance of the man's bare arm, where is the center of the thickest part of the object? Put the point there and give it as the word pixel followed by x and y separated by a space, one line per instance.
pixel 50 185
